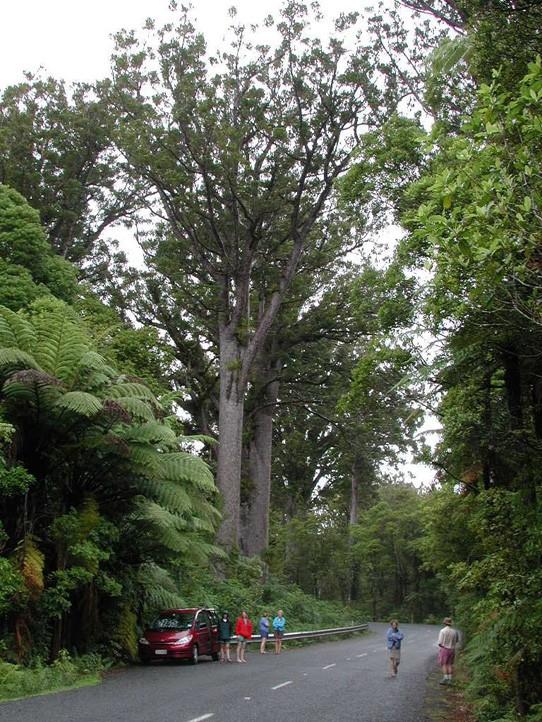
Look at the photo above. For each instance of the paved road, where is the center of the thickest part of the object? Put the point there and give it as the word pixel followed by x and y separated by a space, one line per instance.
pixel 325 682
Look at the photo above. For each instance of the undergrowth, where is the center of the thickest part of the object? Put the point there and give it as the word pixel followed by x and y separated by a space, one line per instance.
pixel 66 672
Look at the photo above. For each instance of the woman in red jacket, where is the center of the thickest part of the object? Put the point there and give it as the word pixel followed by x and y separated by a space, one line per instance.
pixel 243 630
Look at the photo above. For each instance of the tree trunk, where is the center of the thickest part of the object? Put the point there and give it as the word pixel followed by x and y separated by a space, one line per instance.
pixel 255 511
pixel 355 569
pixel 230 435
pixel 354 492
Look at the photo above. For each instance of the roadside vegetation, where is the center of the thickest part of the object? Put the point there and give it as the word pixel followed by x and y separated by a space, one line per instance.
pixel 228 425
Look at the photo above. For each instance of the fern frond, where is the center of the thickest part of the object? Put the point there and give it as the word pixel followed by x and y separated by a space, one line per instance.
pixel 89 516
pixel 15 358
pixel 16 331
pixel 132 390
pixel 169 529
pixel 146 459
pixel 31 563
pixel 151 574
pixel 136 407
pixel 207 510
pixel 181 465
pixel 96 362
pixel 201 524
pixel 33 386
pixel 60 343
pixel 154 433
pixel 169 494
pixel 201 438
pixel 80 402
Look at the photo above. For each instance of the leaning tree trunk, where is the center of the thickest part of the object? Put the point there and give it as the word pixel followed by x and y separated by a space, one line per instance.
pixel 230 436
pixel 255 512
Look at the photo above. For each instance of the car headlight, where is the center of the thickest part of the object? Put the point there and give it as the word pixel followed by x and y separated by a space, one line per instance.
pixel 144 641
pixel 184 640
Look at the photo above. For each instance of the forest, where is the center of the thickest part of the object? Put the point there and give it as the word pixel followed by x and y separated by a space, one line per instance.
pixel 238 293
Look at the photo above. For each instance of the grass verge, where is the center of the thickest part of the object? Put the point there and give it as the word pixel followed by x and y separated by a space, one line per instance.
pixel 18 682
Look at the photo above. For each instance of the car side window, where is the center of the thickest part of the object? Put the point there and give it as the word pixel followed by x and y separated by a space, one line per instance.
pixel 202 621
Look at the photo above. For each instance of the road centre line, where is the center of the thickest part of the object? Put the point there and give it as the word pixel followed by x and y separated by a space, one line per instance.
pixel 278 686
pixel 203 716
pixel 362 655
pixel 330 665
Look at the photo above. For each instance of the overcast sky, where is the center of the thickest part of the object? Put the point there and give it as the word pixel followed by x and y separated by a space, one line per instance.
pixel 71 40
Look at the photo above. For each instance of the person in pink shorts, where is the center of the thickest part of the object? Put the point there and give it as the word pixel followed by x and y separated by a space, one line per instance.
pixel 448 640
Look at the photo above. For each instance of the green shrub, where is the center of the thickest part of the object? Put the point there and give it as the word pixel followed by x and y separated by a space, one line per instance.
pixel 18 681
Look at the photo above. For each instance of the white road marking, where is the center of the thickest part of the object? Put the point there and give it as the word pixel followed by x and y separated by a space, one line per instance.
pixel 278 686
pixel 203 716
pixel 330 665
pixel 362 655
pixel 248 698
pixel 305 674
pixel 349 659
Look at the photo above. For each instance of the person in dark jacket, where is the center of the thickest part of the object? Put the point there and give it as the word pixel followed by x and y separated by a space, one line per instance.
pixel 224 636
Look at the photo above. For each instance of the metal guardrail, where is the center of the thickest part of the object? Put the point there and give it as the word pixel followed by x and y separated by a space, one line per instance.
pixel 313 634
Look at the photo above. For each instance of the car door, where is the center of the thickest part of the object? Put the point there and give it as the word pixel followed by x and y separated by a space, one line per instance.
pixel 203 632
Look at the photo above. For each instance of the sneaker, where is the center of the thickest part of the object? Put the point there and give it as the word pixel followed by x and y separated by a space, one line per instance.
pixel 443 681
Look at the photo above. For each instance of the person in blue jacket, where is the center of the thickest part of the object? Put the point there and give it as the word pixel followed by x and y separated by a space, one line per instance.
pixel 394 637
pixel 278 627
pixel 264 631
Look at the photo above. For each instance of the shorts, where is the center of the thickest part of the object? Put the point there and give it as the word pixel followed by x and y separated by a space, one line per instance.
pixel 395 654
pixel 279 633
pixel 224 640
pixel 241 639
pixel 264 635
pixel 446 656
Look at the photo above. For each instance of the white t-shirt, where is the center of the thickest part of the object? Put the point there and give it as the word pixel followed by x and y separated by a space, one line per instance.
pixel 448 637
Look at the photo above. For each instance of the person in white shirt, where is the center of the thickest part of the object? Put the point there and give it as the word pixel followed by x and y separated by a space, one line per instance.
pixel 448 640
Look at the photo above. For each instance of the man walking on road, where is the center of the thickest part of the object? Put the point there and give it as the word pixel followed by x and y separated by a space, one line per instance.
pixel 448 640
pixel 393 641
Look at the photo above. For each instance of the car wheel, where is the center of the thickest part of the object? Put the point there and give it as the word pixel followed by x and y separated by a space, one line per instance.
pixel 214 655
pixel 195 655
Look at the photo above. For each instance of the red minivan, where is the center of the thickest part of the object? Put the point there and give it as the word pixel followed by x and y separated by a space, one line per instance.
pixel 181 634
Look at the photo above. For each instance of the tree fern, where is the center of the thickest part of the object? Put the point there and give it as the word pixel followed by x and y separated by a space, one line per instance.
pixel 132 390
pixel 154 433
pixel 16 331
pixel 30 561
pixel 89 516
pixel 35 387
pixel 80 402
pixel 159 591
pixel 60 341
pixel 136 407
pixel 169 530
pixel 182 465
pixel 11 358
pixel 169 494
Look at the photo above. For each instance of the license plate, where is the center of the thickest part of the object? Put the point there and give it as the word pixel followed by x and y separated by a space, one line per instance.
pixel 160 651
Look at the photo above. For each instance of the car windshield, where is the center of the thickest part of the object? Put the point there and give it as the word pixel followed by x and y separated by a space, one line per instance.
pixel 174 621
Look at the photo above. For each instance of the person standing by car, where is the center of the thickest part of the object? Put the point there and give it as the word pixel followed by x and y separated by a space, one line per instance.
pixel 393 642
pixel 278 627
pixel 243 630
pixel 224 636
pixel 448 640
pixel 264 631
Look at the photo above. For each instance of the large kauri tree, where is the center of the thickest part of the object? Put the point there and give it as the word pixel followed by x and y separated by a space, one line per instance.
pixel 242 152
